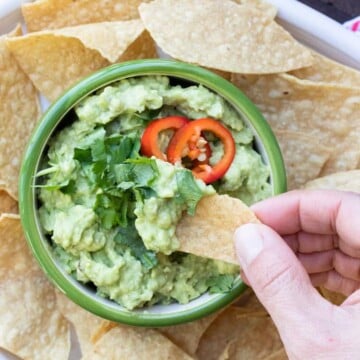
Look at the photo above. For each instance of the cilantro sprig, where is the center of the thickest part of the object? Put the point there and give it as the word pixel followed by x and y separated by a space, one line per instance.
pixel 114 166
pixel 221 283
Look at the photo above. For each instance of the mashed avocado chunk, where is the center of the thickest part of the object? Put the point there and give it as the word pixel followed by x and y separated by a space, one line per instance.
pixel 111 214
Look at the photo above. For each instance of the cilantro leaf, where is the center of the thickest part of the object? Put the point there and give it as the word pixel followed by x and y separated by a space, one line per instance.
pixel 149 114
pixel 114 165
pixel 130 238
pixel 122 172
pixel 112 210
pixel 98 150
pixel 108 217
pixel 82 155
pixel 189 191
pixel 144 170
pixel 220 283
pixel 69 188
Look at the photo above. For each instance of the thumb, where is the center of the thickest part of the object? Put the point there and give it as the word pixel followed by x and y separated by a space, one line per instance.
pixel 277 277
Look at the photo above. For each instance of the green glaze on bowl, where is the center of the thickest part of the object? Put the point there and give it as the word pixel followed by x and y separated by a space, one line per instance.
pixel 158 315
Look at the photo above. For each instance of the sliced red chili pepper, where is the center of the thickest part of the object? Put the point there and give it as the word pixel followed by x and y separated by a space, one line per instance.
pixel 150 138
pixel 185 143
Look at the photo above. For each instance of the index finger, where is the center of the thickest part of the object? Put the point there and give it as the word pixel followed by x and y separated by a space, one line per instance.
pixel 314 211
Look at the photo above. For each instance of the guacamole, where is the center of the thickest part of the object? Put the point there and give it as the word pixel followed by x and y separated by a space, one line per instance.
pixel 110 213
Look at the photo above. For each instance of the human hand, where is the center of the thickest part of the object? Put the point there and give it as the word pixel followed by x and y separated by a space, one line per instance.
pixel 310 238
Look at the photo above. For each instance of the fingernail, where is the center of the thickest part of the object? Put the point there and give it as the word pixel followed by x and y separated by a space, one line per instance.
pixel 248 243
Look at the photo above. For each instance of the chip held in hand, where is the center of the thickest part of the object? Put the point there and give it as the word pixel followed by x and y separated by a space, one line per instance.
pixel 209 233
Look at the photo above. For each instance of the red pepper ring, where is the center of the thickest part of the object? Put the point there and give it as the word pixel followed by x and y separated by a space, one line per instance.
pixel 150 138
pixel 182 142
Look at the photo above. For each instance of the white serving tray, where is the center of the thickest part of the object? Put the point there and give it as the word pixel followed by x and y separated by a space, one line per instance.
pixel 310 27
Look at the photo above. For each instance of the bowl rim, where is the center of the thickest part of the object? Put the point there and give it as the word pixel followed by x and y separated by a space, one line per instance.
pixel 54 115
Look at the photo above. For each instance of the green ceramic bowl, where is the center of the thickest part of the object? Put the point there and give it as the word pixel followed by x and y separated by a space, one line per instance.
pixel 158 315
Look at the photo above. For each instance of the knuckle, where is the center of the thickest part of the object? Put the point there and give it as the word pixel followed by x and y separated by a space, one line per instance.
pixel 273 278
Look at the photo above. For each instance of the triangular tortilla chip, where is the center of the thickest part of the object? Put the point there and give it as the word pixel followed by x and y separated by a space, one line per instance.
pixel 304 157
pixel 209 233
pixel 130 343
pixel 223 35
pixel 77 51
pixel 19 109
pixel 261 5
pixel 255 331
pixel 85 323
pixel 31 326
pixel 8 203
pixel 327 112
pixel 345 181
pixel 54 14
pixel 110 39
pixel 325 70
pixel 187 336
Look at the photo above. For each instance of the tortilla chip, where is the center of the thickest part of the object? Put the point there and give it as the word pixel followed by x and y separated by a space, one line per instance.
pixel 19 109
pixel 332 296
pixel 8 203
pixel 187 336
pixel 110 39
pixel 31 326
pixel 131 343
pixel 249 41
pixel 247 346
pixel 233 325
pixel 209 233
pixel 77 51
pixel 278 355
pixel 325 70
pixel 324 111
pixel 304 157
pixel 261 5
pixel 54 14
pixel 86 324
pixel 346 181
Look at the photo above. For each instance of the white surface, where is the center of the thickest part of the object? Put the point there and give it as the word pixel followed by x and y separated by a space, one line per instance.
pixel 353 25
pixel 319 32
pixel 307 25
pixel 10 14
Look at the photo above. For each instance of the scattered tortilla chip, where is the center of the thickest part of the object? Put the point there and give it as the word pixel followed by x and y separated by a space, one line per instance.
pixel 77 51
pixel 8 203
pixel 261 5
pixel 325 70
pixel 86 324
pixel 54 14
pixel 247 347
pixel 230 37
pixel 346 181
pixel 31 326
pixel 187 336
pixel 232 326
pixel 209 233
pixel 123 342
pixel 110 39
pixel 332 296
pixel 304 157
pixel 278 355
pixel 326 112
pixel 19 109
